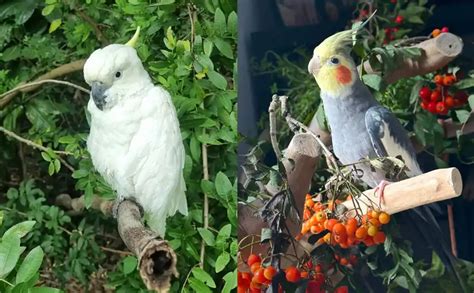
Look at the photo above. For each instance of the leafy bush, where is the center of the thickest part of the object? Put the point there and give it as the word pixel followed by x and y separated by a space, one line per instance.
pixel 189 50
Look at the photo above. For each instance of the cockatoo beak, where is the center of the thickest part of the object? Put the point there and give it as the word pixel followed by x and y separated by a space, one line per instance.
pixel 98 94
pixel 314 65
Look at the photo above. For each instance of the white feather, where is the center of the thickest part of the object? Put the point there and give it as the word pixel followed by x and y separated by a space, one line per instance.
pixel 136 143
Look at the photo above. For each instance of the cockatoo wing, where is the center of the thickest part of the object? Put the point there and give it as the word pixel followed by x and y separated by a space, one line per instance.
pixel 389 138
pixel 156 166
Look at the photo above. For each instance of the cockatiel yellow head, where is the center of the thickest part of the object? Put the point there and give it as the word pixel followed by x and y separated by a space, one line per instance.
pixel 331 65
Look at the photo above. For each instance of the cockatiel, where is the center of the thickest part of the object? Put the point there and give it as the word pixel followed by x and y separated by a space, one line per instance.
pixel 135 140
pixel 361 128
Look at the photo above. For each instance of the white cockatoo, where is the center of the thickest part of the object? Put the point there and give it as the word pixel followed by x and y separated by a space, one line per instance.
pixel 135 141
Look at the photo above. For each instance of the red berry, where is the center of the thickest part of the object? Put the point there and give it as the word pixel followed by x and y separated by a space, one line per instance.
pixel 292 275
pixel 441 108
pixel 253 258
pixel 424 105
pixel 393 1
pixel 425 93
pixel 395 29
pixel 313 287
pixel 388 30
pixel 444 29
pixel 435 96
pixel 342 289
pixel 259 276
pixel 399 19
pixel 432 107
pixel 449 101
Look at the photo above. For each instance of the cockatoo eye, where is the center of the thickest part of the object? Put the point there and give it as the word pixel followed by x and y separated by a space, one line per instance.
pixel 118 74
pixel 334 60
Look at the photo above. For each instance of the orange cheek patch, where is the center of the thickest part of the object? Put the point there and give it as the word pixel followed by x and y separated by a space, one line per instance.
pixel 343 74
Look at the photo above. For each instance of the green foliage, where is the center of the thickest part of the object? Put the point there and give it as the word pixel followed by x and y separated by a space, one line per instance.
pixel 189 49
pixel 19 270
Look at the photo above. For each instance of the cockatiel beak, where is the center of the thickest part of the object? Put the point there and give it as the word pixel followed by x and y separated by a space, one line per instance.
pixel 314 65
pixel 98 94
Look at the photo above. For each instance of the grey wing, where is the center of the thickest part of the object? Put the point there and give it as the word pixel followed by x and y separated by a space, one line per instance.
pixel 390 139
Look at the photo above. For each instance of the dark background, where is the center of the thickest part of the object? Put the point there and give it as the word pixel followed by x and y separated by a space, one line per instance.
pixel 262 28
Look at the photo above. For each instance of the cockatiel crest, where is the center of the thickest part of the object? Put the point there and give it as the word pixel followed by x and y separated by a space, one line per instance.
pixel 331 65
pixel 135 140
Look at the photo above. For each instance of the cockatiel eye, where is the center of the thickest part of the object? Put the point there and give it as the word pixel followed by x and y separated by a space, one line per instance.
pixel 118 74
pixel 334 60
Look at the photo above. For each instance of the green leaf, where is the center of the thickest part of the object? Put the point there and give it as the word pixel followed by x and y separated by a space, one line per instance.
pixel 222 184
pixel 437 267
pixel 415 19
pixel 48 9
pixel 21 9
pixel 232 23
pixel 224 47
pixel 222 260
pixel 81 173
pixel 129 264
pixel 51 169
pixel 199 286
pixel 207 236
pixel 19 230
pixel 46 157
pixel 373 80
pixel 30 265
pixel 471 102
pixel 54 25
pixel 10 251
pixel 465 83
pixel 202 275
pixel 217 79
pixel 462 115
pixel 230 281
pixel 219 21
pixel 166 2
pixel 208 45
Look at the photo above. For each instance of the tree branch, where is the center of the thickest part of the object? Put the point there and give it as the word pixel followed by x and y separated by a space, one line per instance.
pixel 156 259
pixel 57 72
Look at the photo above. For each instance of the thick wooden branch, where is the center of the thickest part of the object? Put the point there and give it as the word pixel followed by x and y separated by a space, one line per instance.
pixel 156 259
pixel 424 189
pixel 436 53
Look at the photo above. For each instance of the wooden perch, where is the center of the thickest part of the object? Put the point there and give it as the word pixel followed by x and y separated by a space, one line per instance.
pixel 424 189
pixel 436 53
pixel 156 259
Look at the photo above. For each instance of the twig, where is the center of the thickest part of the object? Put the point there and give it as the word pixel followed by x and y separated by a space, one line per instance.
pixel 121 252
pixel 54 73
pixel 36 83
pixel 100 36
pixel 274 105
pixel 40 147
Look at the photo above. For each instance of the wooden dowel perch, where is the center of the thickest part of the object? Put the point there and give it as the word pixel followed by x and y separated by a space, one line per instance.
pixel 436 53
pixel 156 259
pixel 424 189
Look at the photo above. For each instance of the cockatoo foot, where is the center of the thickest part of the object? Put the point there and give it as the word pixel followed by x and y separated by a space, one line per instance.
pixel 119 200
pixel 379 190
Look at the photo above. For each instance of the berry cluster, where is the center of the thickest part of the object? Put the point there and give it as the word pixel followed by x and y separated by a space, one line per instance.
pixel 436 32
pixel 348 233
pixel 259 277
pixel 440 100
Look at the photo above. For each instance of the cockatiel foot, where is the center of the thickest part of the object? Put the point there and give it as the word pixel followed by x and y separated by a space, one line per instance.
pixel 119 200
pixel 379 190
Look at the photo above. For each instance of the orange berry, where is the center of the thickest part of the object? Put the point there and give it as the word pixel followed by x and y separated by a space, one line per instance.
pixel 375 222
pixel 361 232
pixel 244 279
pixel 259 276
pixel 308 196
pixel 306 214
pixel 372 230
pixel 374 214
pixel 351 228
pixel 314 229
pixel 369 241
pixel 253 258
pixel 365 219
pixel 352 222
pixel 304 275
pixel 314 220
pixel 305 227
pixel 438 79
pixel 329 224
pixel 339 229
pixel 327 238
pixel 292 275
pixel 435 33
pixel 255 267
pixel 341 239
pixel 449 101
pixel 320 216
pixel 344 261
pixel 384 218
pixel 448 80
pixel 254 285
pixel 379 237
pixel 269 272
pixel 309 203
